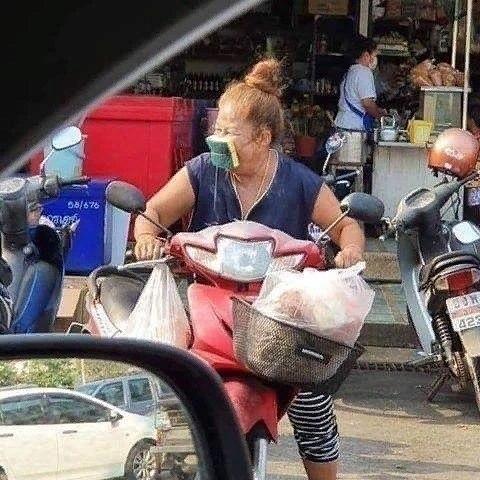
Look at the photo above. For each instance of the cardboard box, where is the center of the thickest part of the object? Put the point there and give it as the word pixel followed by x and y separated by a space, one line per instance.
pixel 328 7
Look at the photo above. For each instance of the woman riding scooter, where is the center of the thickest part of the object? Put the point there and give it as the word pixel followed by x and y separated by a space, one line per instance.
pixel 244 178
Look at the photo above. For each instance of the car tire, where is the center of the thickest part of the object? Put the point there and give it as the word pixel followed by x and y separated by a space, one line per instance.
pixel 140 462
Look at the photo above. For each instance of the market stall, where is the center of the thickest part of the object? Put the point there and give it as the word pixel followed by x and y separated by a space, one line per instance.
pixel 429 95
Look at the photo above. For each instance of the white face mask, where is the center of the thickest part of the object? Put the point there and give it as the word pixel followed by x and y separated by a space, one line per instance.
pixel 374 63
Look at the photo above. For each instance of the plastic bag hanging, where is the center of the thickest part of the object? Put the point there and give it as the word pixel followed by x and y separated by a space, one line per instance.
pixel 159 314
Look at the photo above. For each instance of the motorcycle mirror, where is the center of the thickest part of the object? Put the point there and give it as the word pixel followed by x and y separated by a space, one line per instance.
pixel 335 142
pixel 363 207
pixel 126 197
pixel 67 138
pixel 90 377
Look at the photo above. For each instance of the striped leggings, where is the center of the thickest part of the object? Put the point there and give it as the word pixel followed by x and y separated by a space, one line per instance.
pixel 315 427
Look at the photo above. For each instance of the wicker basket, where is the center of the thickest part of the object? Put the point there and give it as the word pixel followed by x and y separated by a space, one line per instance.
pixel 283 353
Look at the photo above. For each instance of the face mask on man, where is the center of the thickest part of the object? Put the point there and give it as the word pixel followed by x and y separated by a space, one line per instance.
pixel 223 153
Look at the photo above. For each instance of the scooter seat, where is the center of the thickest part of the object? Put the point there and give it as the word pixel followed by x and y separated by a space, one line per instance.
pixel 438 265
pixel 118 296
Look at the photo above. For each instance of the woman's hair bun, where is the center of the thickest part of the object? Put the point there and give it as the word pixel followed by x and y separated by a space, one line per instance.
pixel 266 76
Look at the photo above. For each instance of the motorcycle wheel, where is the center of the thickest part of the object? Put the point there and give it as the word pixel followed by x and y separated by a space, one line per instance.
pixel 473 364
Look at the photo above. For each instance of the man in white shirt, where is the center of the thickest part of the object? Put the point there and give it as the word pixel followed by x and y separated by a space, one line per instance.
pixel 357 107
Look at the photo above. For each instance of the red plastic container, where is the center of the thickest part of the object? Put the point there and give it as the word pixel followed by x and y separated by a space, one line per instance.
pixel 142 140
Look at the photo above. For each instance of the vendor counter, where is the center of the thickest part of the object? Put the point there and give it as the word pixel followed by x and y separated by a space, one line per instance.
pixel 399 168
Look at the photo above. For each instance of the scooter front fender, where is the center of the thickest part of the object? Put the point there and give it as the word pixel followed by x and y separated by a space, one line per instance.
pixel 410 265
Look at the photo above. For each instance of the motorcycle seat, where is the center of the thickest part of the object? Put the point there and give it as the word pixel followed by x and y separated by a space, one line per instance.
pixel 447 260
pixel 118 296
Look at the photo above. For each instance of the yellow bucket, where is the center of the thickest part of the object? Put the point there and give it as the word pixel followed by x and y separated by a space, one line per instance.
pixel 419 131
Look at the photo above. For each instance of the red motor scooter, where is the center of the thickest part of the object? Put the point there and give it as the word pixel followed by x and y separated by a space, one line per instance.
pixel 229 263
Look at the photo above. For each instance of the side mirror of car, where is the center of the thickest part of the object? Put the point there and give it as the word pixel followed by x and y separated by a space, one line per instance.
pixel 203 414
pixel 115 416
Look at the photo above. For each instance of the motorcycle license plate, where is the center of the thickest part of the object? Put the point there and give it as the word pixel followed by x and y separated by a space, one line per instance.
pixel 464 311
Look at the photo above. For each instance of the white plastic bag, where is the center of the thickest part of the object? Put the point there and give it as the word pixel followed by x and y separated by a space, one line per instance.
pixel 159 314
pixel 332 304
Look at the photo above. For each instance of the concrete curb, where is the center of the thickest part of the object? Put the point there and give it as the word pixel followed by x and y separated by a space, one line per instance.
pixel 382 266
pixel 397 335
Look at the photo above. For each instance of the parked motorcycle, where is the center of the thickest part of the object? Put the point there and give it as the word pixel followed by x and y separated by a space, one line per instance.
pixel 32 250
pixel 226 261
pixel 440 267
pixel 341 185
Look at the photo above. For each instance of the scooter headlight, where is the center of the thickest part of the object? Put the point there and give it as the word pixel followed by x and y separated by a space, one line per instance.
pixel 237 260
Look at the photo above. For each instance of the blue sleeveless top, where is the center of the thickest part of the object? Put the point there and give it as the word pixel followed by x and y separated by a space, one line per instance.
pixel 287 205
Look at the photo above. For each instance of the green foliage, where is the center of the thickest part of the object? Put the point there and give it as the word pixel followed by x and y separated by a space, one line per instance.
pixel 101 369
pixel 59 373
pixel 8 374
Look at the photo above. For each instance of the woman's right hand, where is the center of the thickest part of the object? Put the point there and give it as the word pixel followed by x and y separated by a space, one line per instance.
pixel 148 247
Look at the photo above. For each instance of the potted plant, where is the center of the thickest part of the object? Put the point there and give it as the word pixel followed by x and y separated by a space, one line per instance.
pixel 307 124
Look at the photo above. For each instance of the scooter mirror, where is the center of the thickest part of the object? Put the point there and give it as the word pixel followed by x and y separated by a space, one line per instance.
pixel 126 197
pixel 67 138
pixel 335 142
pixel 363 207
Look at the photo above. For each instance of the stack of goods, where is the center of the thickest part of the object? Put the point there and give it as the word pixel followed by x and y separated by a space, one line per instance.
pixel 415 9
pixel 393 44
pixel 393 8
pixel 427 74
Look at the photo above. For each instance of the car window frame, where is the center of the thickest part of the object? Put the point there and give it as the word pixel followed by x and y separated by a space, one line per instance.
pixel 107 384
pixel 78 398
pixel 40 395
pixel 140 402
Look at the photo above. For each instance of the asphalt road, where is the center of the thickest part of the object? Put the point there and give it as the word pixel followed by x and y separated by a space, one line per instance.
pixel 390 432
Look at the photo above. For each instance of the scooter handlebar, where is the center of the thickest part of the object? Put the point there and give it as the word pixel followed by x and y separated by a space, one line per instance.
pixel 332 180
pixel 83 180
pixel 389 229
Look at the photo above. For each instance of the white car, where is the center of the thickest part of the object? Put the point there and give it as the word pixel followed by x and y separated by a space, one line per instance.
pixel 59 434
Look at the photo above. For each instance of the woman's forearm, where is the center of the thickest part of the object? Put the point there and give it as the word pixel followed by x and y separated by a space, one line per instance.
pixel 143 226
pixel 351 235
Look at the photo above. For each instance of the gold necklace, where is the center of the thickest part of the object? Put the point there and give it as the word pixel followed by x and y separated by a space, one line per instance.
pixel 260 188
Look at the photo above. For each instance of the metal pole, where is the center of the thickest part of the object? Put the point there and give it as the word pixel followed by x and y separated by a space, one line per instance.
pixel 455 33
pixel 364 20
pixel 82 370
pixel 466 83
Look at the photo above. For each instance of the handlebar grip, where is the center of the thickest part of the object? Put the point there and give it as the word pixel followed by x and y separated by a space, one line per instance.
pixel 83 180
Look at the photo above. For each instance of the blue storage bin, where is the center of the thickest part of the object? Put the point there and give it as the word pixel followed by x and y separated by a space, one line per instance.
pixel 87 203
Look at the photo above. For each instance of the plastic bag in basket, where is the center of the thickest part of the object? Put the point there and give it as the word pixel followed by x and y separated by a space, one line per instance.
pixel 159 314
pixel 332 304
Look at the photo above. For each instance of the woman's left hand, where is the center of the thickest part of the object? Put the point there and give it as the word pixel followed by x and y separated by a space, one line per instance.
pixel 348 256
